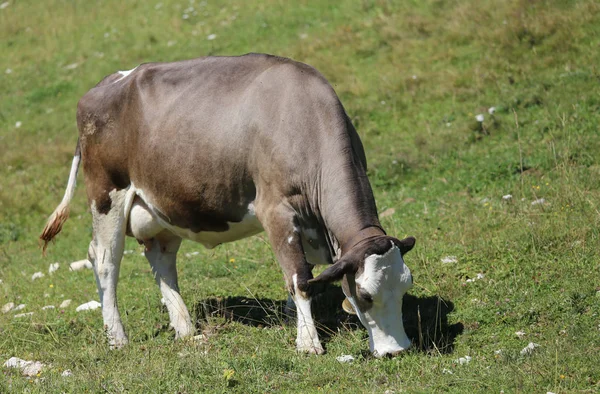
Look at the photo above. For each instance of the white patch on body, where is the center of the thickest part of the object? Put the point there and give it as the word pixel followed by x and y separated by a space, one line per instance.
pixel 144 219
pixel 386 278
pixel 307 340
pixel 125 74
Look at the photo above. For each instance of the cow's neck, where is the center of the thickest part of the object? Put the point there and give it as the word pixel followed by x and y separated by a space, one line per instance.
pixel 348 207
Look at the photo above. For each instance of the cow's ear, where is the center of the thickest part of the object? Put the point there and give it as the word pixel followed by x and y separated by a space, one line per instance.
pixel 405 245
pixel 336 271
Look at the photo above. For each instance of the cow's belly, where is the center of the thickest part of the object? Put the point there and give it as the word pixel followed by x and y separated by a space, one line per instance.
pixel 145 222
pixel 247 227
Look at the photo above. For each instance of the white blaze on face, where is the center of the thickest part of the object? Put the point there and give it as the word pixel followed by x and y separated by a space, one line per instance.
pixel 386 279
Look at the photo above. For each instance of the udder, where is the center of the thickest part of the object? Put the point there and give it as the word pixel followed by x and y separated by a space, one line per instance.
pixel 142 224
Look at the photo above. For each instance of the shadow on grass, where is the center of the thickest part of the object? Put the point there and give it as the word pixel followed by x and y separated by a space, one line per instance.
pixel 425 318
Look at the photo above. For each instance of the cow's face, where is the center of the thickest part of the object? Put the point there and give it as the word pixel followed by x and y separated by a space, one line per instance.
pixel 375 280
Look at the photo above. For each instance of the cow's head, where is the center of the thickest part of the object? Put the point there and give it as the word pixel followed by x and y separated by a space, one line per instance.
pixel 374 279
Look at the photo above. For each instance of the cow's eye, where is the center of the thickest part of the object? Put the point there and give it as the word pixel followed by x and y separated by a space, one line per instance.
pixel 366 296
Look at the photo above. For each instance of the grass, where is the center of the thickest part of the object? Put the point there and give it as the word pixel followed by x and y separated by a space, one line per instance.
pixel 413 76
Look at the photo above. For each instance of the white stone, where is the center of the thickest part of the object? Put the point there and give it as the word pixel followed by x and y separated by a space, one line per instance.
pixel 527 350
pixel 479 118
pixel 8 307
pixel 23 314
pixel 464 360
pixel 507 197
pixel 65 304
pixel 28 368
pixel 538 201
pixel 81 264
pixel 19 307
pixel 4 5
pixel 88 306
pixel 53 268
pixel 48 307
pixel 346 358
pixel 449 259
pixel 37 275
pixel 211 37
pixel 66 373
pixel 18 124
pixel 491 110
pixel 520 334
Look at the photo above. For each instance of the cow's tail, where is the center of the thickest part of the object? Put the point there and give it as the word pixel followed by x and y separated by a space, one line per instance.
pixel 61 213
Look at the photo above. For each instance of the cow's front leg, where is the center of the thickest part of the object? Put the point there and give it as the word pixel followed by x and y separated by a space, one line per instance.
pixel 281 226
pixel 161 253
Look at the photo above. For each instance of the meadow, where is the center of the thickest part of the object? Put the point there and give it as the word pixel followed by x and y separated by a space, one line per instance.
pixel 480 125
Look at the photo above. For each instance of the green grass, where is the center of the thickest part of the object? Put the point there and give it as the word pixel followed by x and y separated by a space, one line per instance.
pixel 412 75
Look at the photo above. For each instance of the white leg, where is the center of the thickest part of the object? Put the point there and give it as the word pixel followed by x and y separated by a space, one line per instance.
pixel 307 340
pixel 162 257
pixel 105 253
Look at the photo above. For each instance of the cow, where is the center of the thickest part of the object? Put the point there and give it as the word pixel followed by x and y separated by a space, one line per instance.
pixel 217 149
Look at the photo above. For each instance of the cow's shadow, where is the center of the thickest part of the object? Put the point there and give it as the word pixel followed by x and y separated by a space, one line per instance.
pixel 425 318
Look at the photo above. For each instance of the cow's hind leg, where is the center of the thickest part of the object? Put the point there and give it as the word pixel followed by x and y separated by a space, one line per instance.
pixel 109 220
pixel 284 233
pixel 161 252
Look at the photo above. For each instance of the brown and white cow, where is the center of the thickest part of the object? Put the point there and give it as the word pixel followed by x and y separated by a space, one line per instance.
pixel 221 148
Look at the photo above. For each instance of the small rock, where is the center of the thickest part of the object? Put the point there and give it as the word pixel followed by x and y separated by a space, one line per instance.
pixel 28 368
pixel 48 307
pixel 65 304
pixel 19 307
pixel 449 259
pixel 66 373
pixel 520 334
pixel 491 110
pixel 18 315
pixel 346 358
pixel 8 307
pixel 507 197
pixel 464 360
pixel 539 201
pixel 18 124
pixel 4 5
pixel 88 306
pixel 498 352
pixel 211 37
pixel 71 66
pixel 37 275
pixel 81 264
pixel 479 118
pixel 53 268
pixel 527 350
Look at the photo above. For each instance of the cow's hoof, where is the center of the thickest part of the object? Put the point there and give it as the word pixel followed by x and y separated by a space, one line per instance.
pixel 311 349
pixel 187 333
pixel 116 344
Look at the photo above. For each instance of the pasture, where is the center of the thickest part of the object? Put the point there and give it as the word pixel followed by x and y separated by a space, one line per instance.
pixel 480 124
